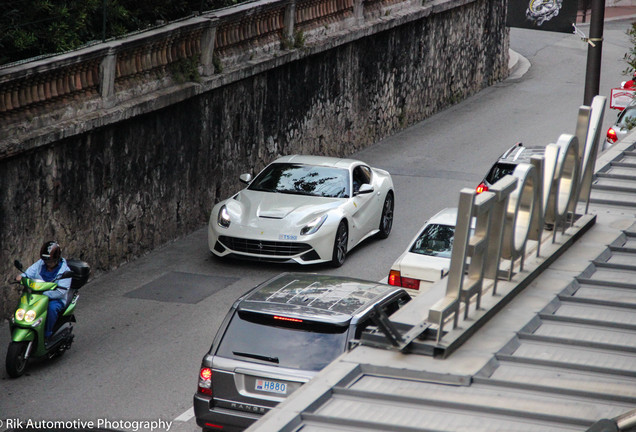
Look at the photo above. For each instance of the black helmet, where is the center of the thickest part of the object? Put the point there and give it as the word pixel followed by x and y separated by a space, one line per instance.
pixel 50 251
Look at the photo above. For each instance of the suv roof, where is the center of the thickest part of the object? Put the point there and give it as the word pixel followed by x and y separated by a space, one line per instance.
pixel 519 153
pixel 508 161
pixel 313 296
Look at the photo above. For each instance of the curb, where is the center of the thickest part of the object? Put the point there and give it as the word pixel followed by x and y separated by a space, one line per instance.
pixel 518 65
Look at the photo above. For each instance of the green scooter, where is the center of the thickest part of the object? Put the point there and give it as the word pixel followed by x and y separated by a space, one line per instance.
pixel 28 323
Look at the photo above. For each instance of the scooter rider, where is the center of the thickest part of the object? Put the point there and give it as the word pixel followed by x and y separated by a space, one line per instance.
pixel 47 268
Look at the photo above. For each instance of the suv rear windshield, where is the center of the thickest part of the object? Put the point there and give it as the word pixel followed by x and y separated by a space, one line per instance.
pixel 299 345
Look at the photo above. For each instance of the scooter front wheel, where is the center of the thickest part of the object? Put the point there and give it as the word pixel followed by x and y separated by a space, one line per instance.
pixel 16 359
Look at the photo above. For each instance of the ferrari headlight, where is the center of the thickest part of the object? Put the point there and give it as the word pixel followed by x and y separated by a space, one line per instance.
pixel 224 218
pixel 30 316
pixel 19 314
pixel 314 225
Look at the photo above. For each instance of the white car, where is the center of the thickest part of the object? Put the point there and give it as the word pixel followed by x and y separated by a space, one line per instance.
pixel 427 258
pixel 304 209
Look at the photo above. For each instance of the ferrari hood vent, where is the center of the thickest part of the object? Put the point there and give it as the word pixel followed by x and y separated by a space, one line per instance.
pixel 271 216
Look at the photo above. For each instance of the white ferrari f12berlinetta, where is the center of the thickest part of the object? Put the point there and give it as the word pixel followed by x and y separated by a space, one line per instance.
pixel 304 209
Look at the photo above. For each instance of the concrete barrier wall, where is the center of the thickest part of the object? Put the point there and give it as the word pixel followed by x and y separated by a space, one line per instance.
pixel 112 173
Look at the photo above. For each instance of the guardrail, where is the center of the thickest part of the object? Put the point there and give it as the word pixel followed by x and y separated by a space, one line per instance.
pixel 105 73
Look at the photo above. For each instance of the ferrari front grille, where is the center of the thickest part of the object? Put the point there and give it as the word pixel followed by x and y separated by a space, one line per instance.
pixel 262 247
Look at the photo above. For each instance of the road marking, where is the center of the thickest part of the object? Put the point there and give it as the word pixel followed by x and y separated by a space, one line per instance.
pixel 186 416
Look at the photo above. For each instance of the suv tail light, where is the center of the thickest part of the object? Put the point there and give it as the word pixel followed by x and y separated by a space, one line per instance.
pixel 205 381
pixel 481 188
pixel 611 135
pixel 396 279
pixel 282 318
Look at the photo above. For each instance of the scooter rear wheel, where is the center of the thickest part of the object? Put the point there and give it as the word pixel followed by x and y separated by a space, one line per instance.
pixel 16 362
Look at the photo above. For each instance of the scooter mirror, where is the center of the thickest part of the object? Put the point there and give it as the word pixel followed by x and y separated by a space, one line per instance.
pixel 18 264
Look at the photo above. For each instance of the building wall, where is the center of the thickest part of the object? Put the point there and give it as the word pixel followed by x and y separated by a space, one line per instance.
pixel 120 189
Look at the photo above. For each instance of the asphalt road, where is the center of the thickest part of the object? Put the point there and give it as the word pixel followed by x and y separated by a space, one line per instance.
pixel 137 348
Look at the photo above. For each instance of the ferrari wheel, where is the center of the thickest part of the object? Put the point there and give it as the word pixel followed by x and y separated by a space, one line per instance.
pixel 340 245
pixel 386 220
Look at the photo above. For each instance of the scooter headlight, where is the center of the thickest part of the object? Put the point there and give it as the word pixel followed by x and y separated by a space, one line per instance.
pixel 19 314
pixel 30 316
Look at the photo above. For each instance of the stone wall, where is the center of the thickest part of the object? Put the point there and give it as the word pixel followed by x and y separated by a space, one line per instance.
pixel 114 184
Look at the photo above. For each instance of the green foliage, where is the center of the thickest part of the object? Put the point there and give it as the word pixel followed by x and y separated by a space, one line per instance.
pixel 218 65
pixel 299 39
pixel 35 27
pixel 186 69
pixel 30 28
pixel 287 42
pixel 630 57
pixel 218 4
pixel 630 122
pixel 296 41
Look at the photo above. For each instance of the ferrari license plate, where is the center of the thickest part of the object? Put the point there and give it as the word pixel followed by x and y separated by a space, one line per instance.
pixel 271 386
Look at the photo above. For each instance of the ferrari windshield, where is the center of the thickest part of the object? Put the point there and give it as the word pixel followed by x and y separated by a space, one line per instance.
pixel 299 179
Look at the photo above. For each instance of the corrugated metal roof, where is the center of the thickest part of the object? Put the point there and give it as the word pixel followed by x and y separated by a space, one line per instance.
pixel 560 356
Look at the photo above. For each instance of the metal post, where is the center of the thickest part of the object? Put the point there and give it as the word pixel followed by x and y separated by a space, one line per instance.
pixel 104 21
pixel 594 50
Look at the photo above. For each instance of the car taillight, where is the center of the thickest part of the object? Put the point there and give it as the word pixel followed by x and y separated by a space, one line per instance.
pixel 205 381
pixel 282 318
pixel 481 188
pixel 611 135
pixel 395 278
pixel 410 283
